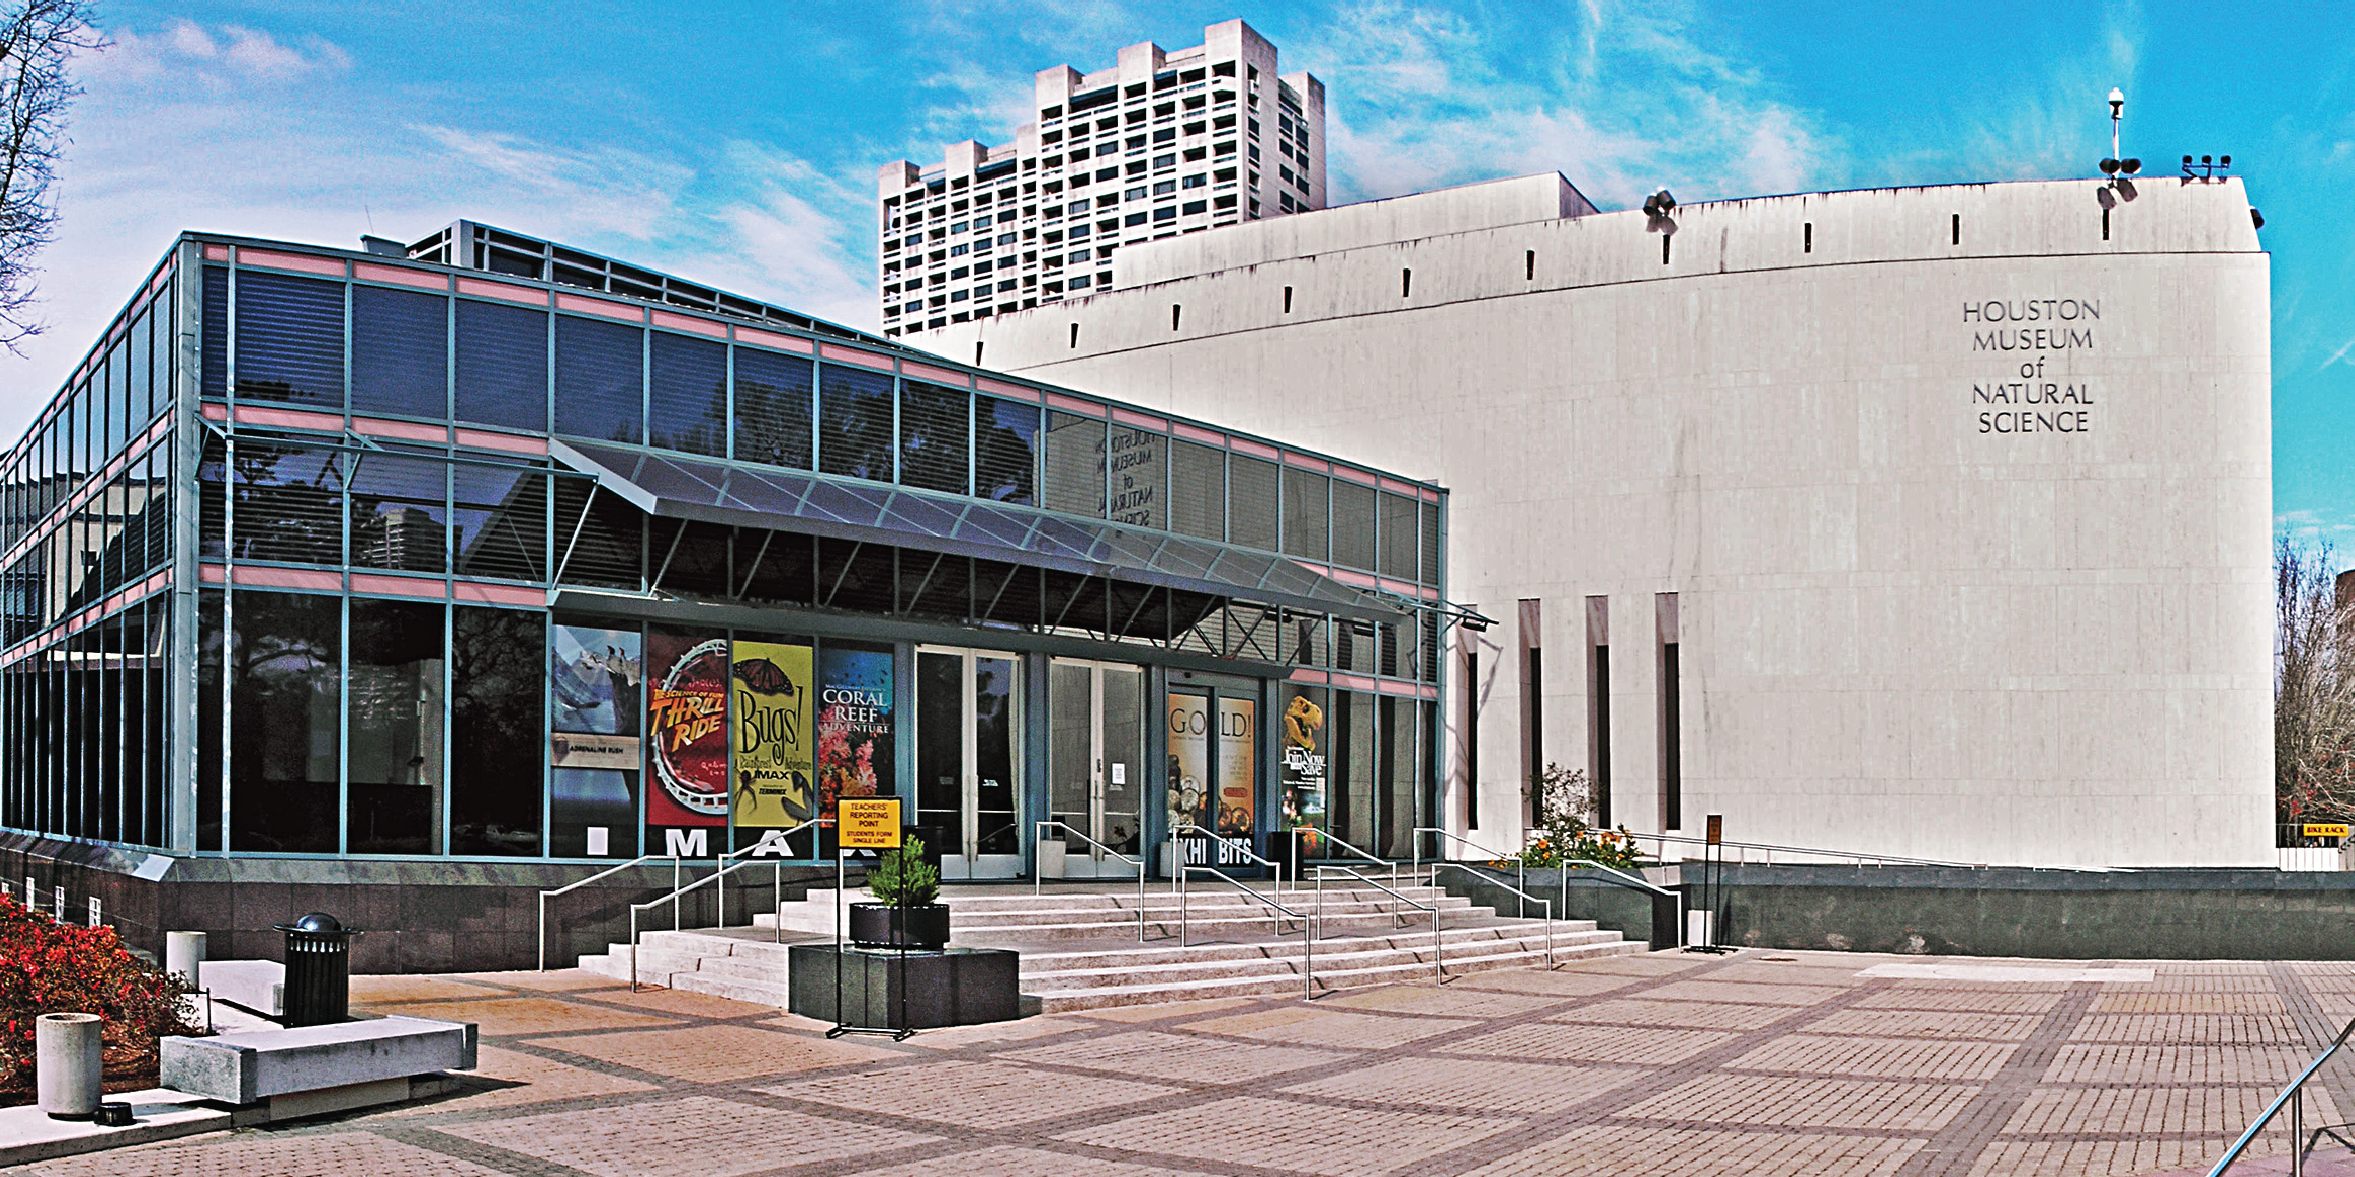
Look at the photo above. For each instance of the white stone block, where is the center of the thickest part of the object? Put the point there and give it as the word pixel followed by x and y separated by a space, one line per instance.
pixel 258 985
pixel 248 1067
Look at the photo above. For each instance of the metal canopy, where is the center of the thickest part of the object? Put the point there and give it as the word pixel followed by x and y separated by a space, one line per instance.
pixel 682 487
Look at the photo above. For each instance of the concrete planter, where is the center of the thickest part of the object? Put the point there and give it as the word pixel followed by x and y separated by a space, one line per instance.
pixel 924 926
pixel 67 1066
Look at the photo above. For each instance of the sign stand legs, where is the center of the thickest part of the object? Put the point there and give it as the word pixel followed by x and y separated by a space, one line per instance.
pixel 876 825
pixel 1712 859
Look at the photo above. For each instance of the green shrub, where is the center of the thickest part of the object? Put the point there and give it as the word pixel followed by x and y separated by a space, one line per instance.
pixel 1564 800
pixel 902 876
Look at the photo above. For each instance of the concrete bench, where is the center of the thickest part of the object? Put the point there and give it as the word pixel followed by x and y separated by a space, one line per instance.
pixel 257 985
pixel 314 1070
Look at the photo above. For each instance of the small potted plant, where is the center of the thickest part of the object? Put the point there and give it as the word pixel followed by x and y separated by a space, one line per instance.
pixel 906 912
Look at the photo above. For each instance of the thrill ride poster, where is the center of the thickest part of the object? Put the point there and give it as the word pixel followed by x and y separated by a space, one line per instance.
pixel 854 718
pixel 771 683
pixel 687 729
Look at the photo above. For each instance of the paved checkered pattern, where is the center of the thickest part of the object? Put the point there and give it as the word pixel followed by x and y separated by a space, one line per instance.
pixel 1759 1063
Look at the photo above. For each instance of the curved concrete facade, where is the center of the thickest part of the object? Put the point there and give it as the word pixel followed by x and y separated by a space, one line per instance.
pixel 1964 492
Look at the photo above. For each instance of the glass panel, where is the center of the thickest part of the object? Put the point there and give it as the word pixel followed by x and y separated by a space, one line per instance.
pixel 142 409
pixel 395 723
pixel 1238 766
pixel 1197 490
pixel 687 395
pixel 1398 536
pixel 209 640
pixel 1140 478
pixel 289 503
pixel 1399 778
pixel 940 747
pixel 290 339
pixel 1005 451
pixel 399 517
pixel 854 416
pixel 600 389
pixel 502 522
pixel 772 409
pixel 213 346
pixel 1355 747
pixel 1304 754
pixel 936 435
pixel 994 733
pixel 118 398
pixel 1124 757
pixel 594 678
pixel 1353 524
pixel 400 352
pixel 1430 540
pixel 1251 503
pixel 1071 755
pixel 496 659
pixel 502 365
pixel 604 547
pixel 1075 465
pixel 285 707
pixel 1305 517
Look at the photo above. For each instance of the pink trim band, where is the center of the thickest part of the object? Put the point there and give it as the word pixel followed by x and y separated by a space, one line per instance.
pixel 499 594
pixel 215 411
pixel 216 253
pixel 295 578
pixel 399 586
pixel 1140 420
pixel 772 339
pixel 678 322
pixel 852 355
pixel 1317 464
pixel 410 430
pixel 1244 445
pixel 936 375
pixel 400 276
pixel 1014 391
pixel 332 267
pixel 507 442
pixel 1194 433
pixel 522 294
pixel 1357 476
pixel 1072 404
pixel 290 418
pixel 598 306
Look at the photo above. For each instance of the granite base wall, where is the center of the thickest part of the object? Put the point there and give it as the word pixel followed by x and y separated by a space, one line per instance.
pixel 418 917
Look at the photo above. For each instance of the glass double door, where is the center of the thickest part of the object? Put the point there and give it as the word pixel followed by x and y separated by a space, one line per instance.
pixel 1096 764
pixel 968 760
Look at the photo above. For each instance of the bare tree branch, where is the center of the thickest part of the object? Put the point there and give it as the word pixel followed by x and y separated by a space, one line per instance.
pixel 38 38
pixel 2313 689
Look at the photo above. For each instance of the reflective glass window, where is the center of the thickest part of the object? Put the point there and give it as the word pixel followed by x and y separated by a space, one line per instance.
pixel 498 664
pixel 400 352
pixel 285 709
pixel 1430 543
pixel 394 696
pixel 1353 523
pixel 1251 502
pixel 687 395
pixel 936 437
pixel 213 346
pixel 500 517
pixel 1139 473
pixel 772 409
pixel 142 406
pixel 1398 536
pixel 289 502
pixel 1305 518
pixel 502 365
pixel 600 389
pixel 1197 489
pixel 1005 451
pixel 290 339
pixel 1074 465
pixel 399 517
pixel 854 421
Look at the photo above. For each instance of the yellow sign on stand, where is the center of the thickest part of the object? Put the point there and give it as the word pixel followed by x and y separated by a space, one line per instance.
pixel 2323 830
pixel 869 823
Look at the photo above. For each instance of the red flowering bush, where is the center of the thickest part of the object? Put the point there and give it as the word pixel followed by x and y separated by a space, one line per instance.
pixel 47 967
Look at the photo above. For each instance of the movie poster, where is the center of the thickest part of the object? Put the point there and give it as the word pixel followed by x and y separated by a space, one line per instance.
pixel 686 730
pixel 594 752
pixel 1238 766
pixel 773 693
pixel 1303 766
pixel 854 715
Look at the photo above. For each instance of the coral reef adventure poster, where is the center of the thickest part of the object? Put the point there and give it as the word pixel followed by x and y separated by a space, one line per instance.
pixel 854 714
pixel 686 728
pixel 771 685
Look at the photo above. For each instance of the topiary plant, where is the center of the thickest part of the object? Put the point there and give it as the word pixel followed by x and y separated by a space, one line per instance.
pixel 903 877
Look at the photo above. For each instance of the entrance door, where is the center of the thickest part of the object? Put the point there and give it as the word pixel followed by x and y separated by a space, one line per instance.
pixel 1096 764
pixel 967 728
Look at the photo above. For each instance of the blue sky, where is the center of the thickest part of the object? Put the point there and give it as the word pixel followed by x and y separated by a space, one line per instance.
pixel 737 143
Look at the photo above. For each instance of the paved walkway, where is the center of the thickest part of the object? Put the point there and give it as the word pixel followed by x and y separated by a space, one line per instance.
pixel 1763 1062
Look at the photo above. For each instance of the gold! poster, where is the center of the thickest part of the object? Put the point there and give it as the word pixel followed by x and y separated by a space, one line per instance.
pixel 771 685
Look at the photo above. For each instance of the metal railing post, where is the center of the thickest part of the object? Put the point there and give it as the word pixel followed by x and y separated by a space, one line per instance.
pixel 675 866
pixel 777 900
pixel 543 931
pixel 633 950
pixel 2298 1132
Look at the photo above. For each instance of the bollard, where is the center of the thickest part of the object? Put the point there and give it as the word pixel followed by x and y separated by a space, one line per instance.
pixel 184 955
pixel 318 971
pixel 67 1065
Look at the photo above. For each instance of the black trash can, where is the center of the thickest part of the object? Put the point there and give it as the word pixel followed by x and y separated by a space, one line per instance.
pixel 318 971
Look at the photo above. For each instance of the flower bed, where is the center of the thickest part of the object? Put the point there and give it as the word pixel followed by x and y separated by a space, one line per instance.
pixel 48 967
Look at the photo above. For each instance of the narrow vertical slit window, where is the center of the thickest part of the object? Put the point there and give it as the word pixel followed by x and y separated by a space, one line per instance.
pixel 1529 265
pixel 1958 228
pixel 1468 669
pixel 1598 706
pixel 1532 694
pixel 1664 243
pixel 1807 237
pixel 1174 308
pixel 1671 729
pixel 1287 300
pixel 2105 224
pixel 1075 335
pixel 1406 283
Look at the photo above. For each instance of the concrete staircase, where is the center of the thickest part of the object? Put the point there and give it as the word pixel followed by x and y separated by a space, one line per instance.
pixel 1080 950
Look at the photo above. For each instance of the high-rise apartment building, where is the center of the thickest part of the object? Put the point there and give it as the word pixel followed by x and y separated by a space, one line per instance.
pixel 1160 144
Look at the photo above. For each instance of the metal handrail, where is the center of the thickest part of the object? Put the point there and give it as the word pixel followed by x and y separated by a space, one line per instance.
pixel 1275 868
pixel 720 870
pixel 1520 868
pixel 715 877
pixel 545 896
pixel 2295 1096
pixel 1377 860
pixel 1526 897
pixel 1038 880
pixel 1859 857
pixel 1437 969
pixel 1275 921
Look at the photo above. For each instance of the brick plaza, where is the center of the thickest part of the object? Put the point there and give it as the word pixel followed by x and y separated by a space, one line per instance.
pixel 1761 1062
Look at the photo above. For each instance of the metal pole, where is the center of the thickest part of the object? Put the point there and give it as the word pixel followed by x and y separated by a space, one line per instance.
pixel 1549 935
pixel 1140 890
pixel 1181 894
pixel 1436 971
pixel 674 892
pixel 543 931
pixel 633 948
pixel 1038 842
pixel 2298 1131
pixel 777 898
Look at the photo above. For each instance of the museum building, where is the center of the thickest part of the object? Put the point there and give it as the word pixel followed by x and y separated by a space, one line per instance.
pixel 402 581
